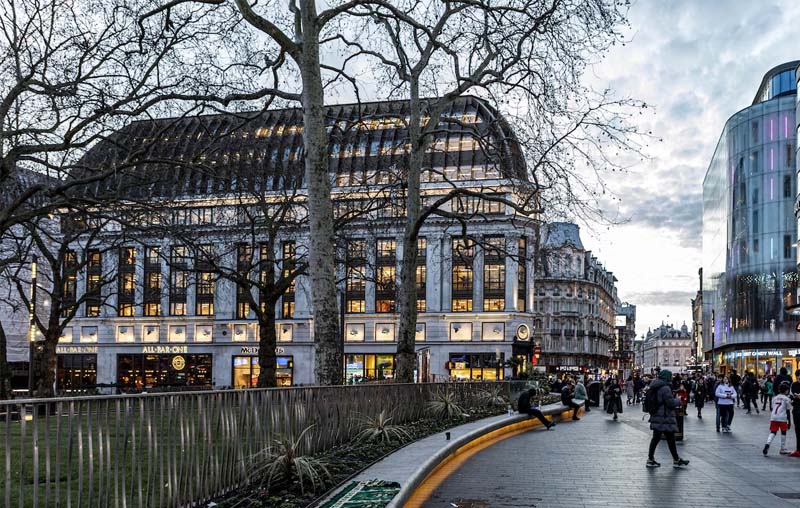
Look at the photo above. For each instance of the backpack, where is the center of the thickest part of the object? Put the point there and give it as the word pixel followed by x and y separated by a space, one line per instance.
pixel 650 404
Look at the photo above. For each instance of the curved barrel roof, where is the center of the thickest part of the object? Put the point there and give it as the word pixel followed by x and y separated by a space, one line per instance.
pixel 217 154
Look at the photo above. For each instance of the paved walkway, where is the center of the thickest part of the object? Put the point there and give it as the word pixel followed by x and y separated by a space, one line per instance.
pixel 598 462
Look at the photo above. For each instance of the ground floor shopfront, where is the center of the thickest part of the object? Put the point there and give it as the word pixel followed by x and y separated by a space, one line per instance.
pixel 758 360
pixel 132 369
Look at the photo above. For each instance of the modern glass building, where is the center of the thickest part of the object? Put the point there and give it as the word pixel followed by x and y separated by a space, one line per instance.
pixel 750 234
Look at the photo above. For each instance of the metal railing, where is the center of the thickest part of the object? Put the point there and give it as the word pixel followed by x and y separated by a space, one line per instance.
pixel 179 449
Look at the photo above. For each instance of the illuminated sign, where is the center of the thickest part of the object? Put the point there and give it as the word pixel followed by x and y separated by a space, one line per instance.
pixel 620 321
pixel 253 350
pixel 178 362
pixel 164 350
pixel 71 350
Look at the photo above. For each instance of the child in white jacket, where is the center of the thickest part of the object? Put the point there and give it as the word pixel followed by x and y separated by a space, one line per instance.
pixel 779 419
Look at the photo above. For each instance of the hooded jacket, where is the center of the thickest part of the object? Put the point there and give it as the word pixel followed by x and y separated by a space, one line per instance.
pixel 664 419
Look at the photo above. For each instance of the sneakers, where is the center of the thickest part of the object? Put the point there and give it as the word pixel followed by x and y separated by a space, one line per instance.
pixel 765 450
pixel 575 418
pixel 680 463
pixel 795 453
pixel 784 451
pixel 652 463
pixel 726 430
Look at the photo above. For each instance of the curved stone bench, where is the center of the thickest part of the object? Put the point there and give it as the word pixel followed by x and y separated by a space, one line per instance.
pixel 421 462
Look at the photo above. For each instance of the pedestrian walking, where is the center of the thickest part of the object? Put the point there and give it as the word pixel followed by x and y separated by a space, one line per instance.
pixel 779 420
pixel 767 392
pixel 750 392
pixel 629 390
pixel 794 393
pixel 783 377
pixel 736 381
pixel 612 397
pixel 726 398
pixel 660 404
pixel 699 397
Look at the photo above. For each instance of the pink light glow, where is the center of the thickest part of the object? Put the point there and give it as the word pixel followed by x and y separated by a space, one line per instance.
pixel 771 129
pixel 771 159
pixel 771 196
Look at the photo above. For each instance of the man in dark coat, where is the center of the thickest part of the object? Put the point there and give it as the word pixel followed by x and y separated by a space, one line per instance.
pixel 525 408
pixel 750 390
pixel 783 377
pixel 663 420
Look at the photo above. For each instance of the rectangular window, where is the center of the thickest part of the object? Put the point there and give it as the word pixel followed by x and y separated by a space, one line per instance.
pixel 754 162
pixel 494 274
pixel 289 249
pixel 755 245
pixel 244 257
pixel 69 276
pixel 787 186
pixel 755 222
pixel 204 305
pixel 385 282
pixel 421 282
pixel 787 246
pixel 246 370
pixel 462 275
pixel 126 296
pixel 355 283
pixel 789 155
pixel 179 263
pixel 94 271
pixel 522 275
pixel 365 367
pixel 152 282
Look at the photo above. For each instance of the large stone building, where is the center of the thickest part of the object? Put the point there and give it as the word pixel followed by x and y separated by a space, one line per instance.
pixel 575 303
pixel 667 347
pixel 476 309
pixel 750 276
pixel 625 325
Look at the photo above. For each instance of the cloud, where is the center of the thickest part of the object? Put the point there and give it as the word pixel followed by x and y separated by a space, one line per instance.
pixel 696 62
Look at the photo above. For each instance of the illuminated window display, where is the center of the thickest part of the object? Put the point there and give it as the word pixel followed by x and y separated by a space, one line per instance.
pixel 246 370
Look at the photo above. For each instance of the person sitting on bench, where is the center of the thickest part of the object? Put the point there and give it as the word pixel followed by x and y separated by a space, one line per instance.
pixel 524 407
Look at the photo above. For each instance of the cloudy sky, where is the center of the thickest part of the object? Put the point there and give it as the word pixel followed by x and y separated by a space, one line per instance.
pixel 697 62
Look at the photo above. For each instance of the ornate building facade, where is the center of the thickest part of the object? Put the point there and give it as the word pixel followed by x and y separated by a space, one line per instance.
pixel 575 303
pixel 167 324
pixel 667 347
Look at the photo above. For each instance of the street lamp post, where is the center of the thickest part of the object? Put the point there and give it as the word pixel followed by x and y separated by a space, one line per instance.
pixel 32 330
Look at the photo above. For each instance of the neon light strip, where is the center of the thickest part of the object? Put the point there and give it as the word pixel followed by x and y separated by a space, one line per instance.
pixel 770 189
pixel 771 159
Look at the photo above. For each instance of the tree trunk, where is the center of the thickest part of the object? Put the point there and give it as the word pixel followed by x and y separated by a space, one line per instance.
pixel 267 341
pixel 5 371
pixel 322 269
pixel 44 362
pixel 407 290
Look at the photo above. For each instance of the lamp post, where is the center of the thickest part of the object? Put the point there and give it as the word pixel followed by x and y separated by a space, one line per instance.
pixel 32 330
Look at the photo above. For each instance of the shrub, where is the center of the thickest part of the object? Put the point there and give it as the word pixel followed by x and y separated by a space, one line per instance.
pixel 285 462
pixel 443 405
pixel 380 428
pixel 492 396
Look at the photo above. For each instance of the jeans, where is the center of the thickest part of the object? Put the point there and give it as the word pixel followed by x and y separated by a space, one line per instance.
pixel 726 415
pixel 539 416
pixel 574 407
pixel 765 397
pixel 670 437
pixel 717 406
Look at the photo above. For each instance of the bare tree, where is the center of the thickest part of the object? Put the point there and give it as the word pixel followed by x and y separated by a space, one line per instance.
pixel 527 55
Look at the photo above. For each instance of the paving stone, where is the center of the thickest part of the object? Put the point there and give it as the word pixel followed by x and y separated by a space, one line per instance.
pixel 597 462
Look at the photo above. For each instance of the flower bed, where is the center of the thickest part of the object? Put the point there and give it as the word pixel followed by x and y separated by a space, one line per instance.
pixel 342 462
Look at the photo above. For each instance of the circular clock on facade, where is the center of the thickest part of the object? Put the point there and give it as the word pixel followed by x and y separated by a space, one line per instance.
pixel 523 332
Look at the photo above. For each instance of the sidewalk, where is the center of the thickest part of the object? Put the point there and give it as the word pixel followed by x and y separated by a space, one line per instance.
pixel 598 462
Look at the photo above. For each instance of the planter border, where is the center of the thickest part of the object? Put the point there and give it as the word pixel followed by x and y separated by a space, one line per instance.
pixel 466 446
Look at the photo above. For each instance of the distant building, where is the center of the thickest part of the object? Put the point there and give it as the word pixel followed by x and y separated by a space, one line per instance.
pixel 625 322
pixel 574 303
pixel 750 276
pixel 667 347
pixel 697 322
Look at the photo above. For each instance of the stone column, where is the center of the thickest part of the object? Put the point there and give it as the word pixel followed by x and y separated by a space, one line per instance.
pixel 370 273
pixel 512 266
pixel 110 291
pixel 138 293
pixel 433 273
pixel 477 278
pixel 446 273
pixel 225 290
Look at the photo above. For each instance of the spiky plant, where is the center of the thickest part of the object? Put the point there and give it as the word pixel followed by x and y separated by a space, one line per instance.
pixel 284 461
pixel 443 405
pixel 492 396
pixel 380 428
